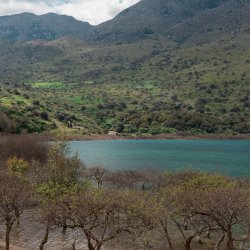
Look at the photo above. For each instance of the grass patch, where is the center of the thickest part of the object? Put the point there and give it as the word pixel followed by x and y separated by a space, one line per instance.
pixel 76 99
pixel 14 100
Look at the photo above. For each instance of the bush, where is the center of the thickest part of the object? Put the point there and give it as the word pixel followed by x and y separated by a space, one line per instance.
pixel 26 147
pixel 6 125
pixel 44 115
pixel 36 103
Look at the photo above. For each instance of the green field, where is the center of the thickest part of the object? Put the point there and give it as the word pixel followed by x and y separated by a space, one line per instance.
pixel 14 100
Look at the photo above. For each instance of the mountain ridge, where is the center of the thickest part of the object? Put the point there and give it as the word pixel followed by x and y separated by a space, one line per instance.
pixel 50 26
pixel 179 20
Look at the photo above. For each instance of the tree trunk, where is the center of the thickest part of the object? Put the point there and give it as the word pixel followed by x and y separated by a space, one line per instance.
pixel 99 246
pixel 64 226
pixel 230 243
pixel 219 242
pixel 45 239
pixel 169 241
pixel 90 245
pixel 188 243
pixel 17 218
pixel 7 236
pixel 179 227
pixel 165 228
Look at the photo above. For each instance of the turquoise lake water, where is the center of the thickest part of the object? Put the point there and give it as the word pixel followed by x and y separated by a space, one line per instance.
pixel 230 157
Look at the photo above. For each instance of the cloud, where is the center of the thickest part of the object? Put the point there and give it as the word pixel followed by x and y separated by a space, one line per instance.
pixel 93 11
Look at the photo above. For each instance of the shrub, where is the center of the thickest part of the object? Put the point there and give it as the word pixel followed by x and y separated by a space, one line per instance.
pixel 6 125
pixel 44 115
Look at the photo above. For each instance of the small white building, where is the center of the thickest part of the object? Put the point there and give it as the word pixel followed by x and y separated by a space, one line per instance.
pixel 114 133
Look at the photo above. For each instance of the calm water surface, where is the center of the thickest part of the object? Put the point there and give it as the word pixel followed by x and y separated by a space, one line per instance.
pixel 230 157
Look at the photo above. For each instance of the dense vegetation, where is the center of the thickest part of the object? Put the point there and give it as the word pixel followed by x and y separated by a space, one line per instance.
pixel 153 210
pixel 154 92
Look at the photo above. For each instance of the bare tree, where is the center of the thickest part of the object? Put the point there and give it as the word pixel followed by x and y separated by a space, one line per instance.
pixel 228 208
pixel 15 195
pixel 97 174
pixel 126 179
pixel 104 214
pixel 47 215
pixel 221 208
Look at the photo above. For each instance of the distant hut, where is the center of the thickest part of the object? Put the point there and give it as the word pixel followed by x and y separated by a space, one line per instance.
pixel 113 133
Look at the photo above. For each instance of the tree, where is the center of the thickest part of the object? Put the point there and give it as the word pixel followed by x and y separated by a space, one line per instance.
pixel 61 177
pixel 61 167
pixel 126 179
pixel 227 208
pixel 47 213
pixel 98 174
pixel 15 195
pixel 104 214
pixel 214 202
pixel 55 206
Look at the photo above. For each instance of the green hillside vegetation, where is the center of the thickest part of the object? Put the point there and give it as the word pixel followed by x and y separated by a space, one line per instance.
pixel 157 83
pixel 144 87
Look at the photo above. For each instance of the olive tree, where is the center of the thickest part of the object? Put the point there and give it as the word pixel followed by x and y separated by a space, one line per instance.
pixel 219 203
pixel 15 195
pixel 103 215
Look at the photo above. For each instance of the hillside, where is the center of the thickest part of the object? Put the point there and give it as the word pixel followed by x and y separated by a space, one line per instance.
pixel 148 18
pixel 188 73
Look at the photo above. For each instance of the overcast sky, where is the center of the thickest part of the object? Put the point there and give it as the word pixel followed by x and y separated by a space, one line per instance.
pixel 93 11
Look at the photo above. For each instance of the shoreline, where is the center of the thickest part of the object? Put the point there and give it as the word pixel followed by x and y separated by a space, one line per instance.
pixel 102 137
pixel 96 137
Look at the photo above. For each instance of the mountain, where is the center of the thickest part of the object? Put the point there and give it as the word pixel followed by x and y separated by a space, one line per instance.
pixel 153 17
pixel 182 21
pixel 26 26
pixel 229 19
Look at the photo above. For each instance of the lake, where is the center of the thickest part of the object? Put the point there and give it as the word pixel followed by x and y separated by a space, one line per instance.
pixel 230 157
